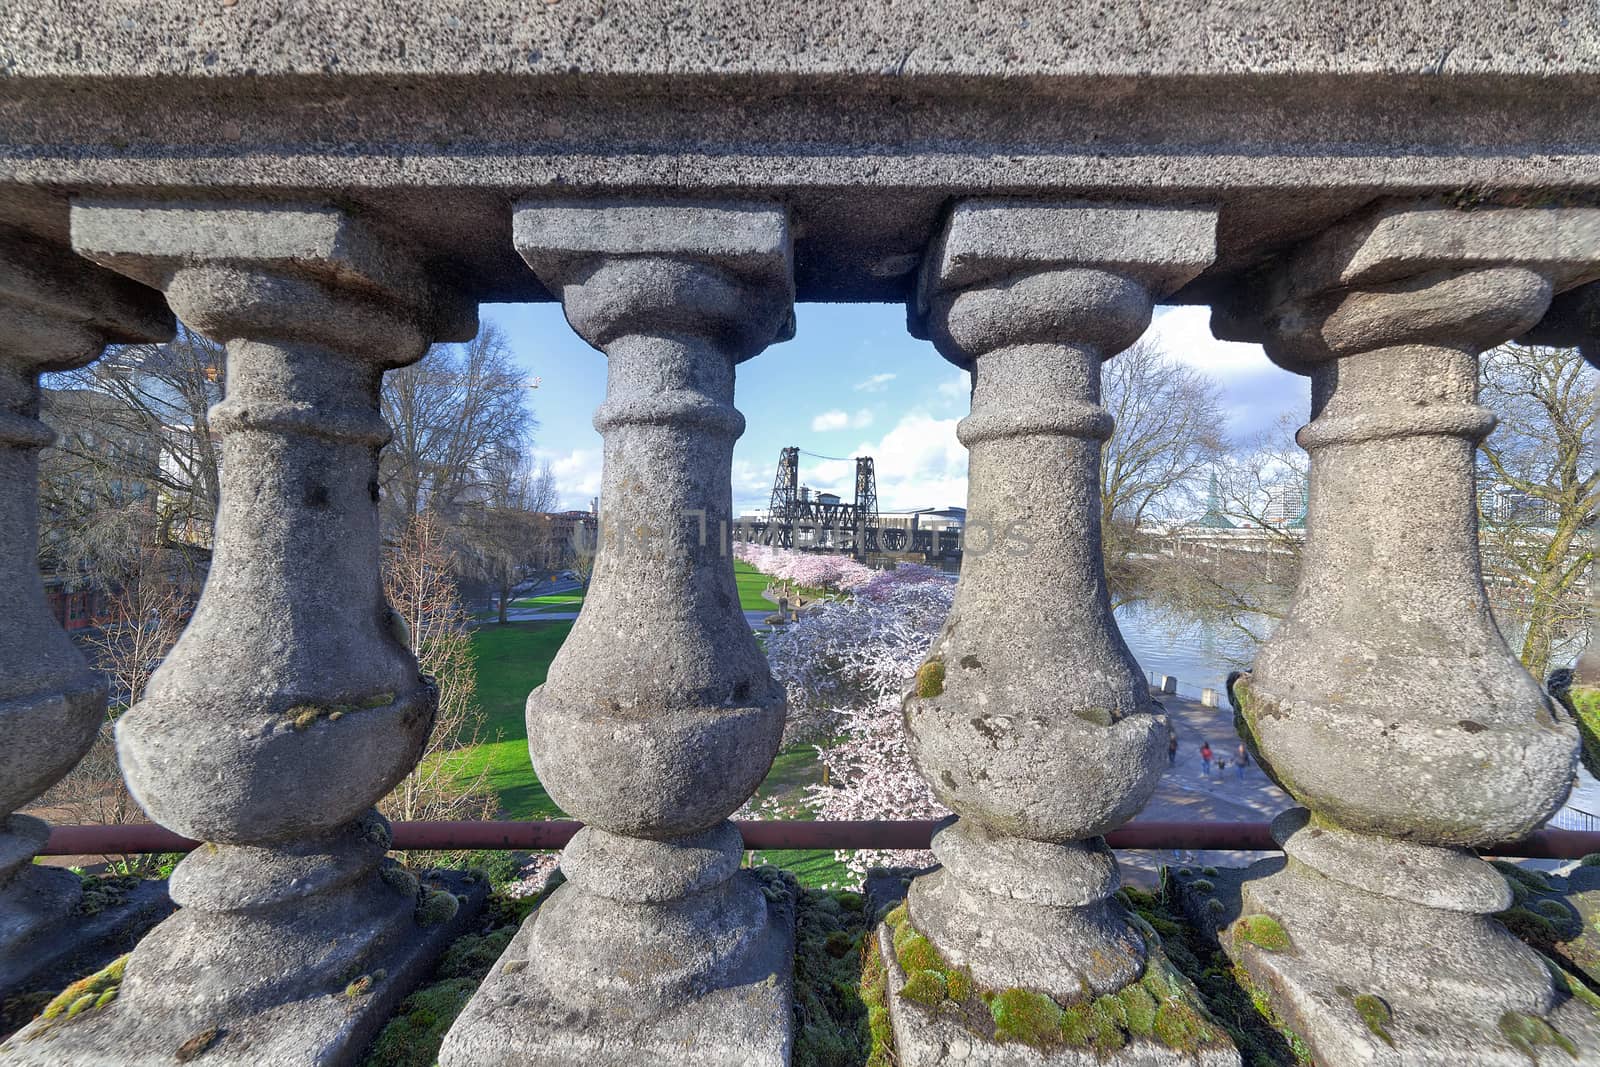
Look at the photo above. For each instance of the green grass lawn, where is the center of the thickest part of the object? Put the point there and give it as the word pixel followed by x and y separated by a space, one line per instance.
pixel 513 658
pixel 751 582
pixel 552 601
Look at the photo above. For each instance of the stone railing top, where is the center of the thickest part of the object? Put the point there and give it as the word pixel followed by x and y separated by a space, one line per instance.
pixel 941 37
pixel 987 240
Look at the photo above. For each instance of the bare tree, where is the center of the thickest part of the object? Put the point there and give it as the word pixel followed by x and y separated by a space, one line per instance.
pixel 452 413
pixel 1170 429
pixel 147 613
pixel 419 586
pixel 1259 489
pixel 1539 488
pixel 136 425
pixel 509 531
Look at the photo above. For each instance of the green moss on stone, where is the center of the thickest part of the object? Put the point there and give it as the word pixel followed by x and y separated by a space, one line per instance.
pixel 1139 1010
pixel 475 953
pixel 1531 880
pixel 1529 1033
pixel 87 993
pixel 1026 1017
pixel 1263 931
pixel 1376 1014
pixel 927 987
pixel 1202 885
pixel 959 984
pixel 1591 860
pixel 365 984
pixel 1095 716
pixel 1584 703
pixel 930 679
pixel 412 1038
pixel 399 879
pixel 435 907
pixel 916 953
pixel 1179 1026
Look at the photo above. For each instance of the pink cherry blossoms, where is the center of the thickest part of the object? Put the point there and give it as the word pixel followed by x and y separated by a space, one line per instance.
pixel 845 666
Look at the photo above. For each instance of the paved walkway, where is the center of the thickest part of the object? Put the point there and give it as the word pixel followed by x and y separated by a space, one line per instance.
pixel 1185 794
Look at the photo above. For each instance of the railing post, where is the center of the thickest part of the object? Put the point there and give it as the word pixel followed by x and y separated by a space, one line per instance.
pixel 56 312
pixel 659 717
pixel 1030 718
pixel 1387 702
pixel 292 703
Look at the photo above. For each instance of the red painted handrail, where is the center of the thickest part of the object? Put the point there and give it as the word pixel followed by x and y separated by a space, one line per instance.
pixel 907 833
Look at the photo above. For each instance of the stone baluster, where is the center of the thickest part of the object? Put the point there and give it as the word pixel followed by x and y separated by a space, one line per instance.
pixel 292 703
pixel 1387 702
pixel 58 313
pixel 1030 718
pixel 659 717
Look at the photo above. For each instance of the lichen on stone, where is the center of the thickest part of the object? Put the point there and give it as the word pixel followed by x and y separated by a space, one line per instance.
pixel 1374 1011
pixel 1583 701
pixel 930 679
pixel 197 1045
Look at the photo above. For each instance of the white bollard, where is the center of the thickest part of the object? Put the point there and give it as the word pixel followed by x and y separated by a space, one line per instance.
pixel 1208 697
pixel 1169 684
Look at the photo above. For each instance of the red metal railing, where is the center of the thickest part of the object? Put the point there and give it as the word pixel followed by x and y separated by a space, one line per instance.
pixel 909 833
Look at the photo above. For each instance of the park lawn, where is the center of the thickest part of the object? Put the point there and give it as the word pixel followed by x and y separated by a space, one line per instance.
pixel 552 601
pixel 751 582
pixel 511 660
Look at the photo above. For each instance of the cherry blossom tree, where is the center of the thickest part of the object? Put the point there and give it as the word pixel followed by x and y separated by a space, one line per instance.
pixel 844 668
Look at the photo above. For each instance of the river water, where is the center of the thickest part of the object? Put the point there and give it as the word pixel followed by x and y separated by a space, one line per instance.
pixel 1201 652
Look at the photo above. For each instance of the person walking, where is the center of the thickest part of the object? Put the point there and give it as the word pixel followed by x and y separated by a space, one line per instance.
pixel 1244 759
pixel 1172 747
pixel 1205 758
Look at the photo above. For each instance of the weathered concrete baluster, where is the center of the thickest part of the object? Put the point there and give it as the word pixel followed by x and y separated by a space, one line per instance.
pixel 56 312
pixel 659 717
pixel 1387 702
pixel 1030 718
pixel 292 702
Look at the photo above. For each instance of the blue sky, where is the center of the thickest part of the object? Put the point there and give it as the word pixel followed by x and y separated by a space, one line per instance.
pixel 852 382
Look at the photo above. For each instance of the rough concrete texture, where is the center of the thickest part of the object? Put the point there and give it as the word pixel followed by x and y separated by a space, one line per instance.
pixel 640 984
pixel 367 948
pixel 1387 702
pixel 1030 718
pixel 928 1038
pixel 650 36
pixel 57 313
pixel 290 705
pixel 658 717
pixel 866 120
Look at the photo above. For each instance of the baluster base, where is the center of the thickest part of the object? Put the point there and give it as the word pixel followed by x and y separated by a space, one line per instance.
pixel 46 938
pixel 925 1037
pixel 653 952
pixel 1384 953
pixel 305 981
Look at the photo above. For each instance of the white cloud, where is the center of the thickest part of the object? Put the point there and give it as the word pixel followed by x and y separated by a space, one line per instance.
pixel 577 475
pixel 875 384
pixel 839 420
pixel 1185 333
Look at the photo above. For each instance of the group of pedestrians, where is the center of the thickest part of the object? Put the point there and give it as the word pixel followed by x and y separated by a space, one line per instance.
pixel 1241 758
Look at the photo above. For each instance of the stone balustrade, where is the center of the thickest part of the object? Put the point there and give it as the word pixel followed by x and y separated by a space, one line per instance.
pixel 1374 196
